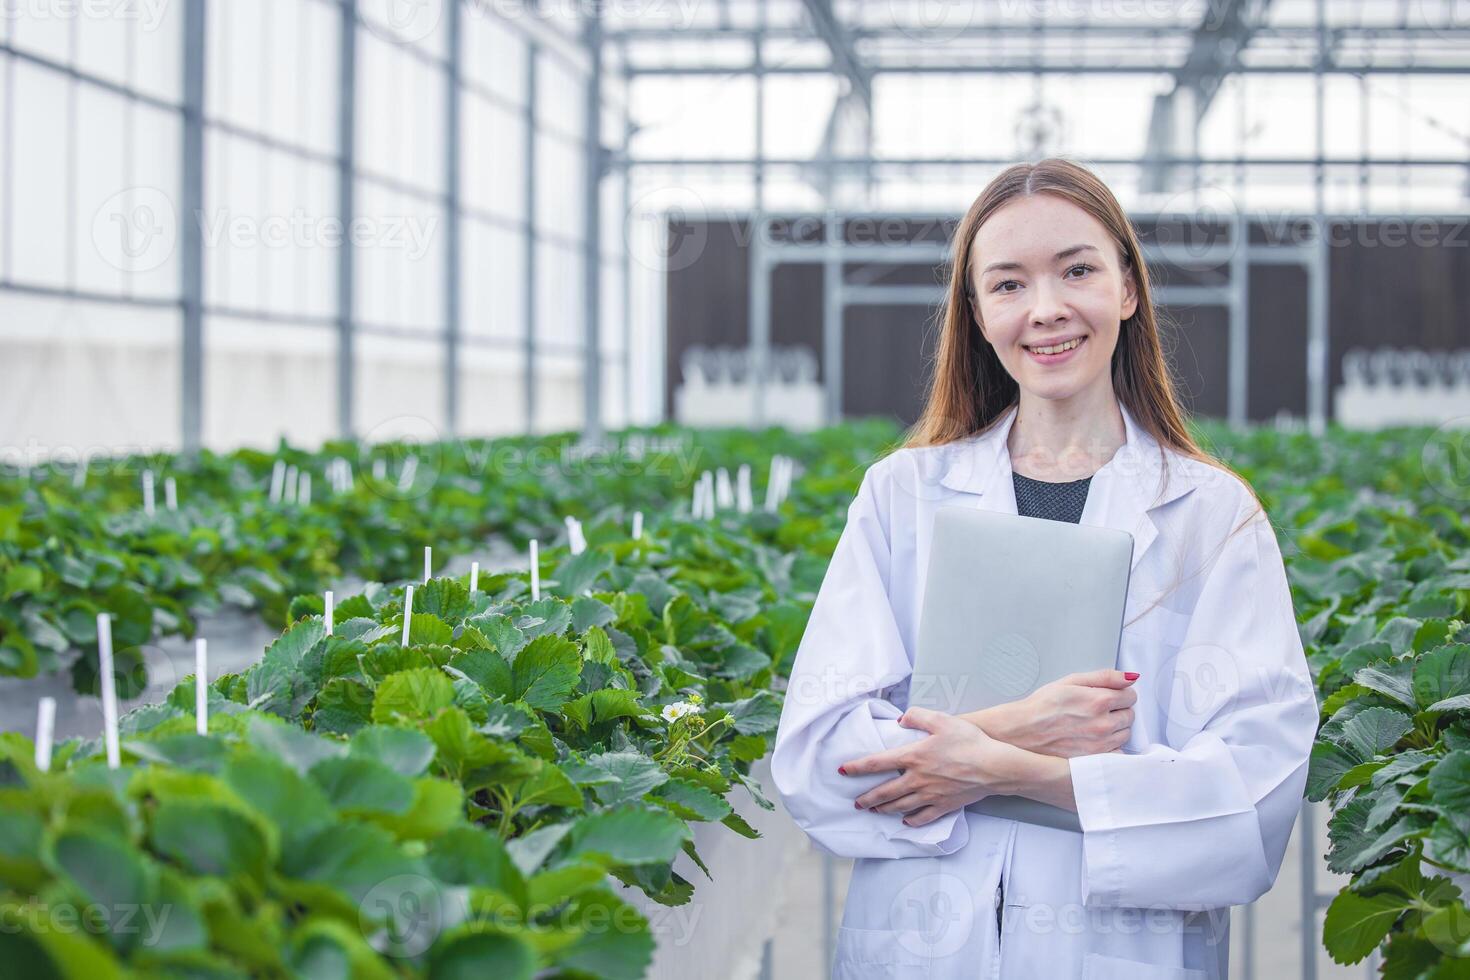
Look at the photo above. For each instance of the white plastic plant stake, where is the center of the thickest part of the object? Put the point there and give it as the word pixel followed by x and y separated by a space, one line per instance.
pixel 535 571
pixel 109 689
pixel 428 564
pixel 278 481
pixel 303 496
pixel 788 468
pixel 45 726
pixel 201 686
pixel 289 496
pixel 771 487
pixel 637 524
pixel 148 492
pixel 327 616
pixel 709 494
pixel 474 577
pixel 410 470
pixel 724 493
pixel 170 493
pixel 79 478
pixel 380 469
pixel 743 501
pixel 407 612
pixel 695 504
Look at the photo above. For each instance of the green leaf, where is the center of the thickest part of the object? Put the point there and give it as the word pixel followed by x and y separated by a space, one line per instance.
pixel 1442 673
pixel 488 669
pixel 1356 924
pixel 692 801
pixel 628 775
pixel 363 786
pixel 623 953
pixel 279 793
pixel 481 952
pixel 343 706
pixel 405 751
pixel 298 749
pixel 545 672
pixel 1376 730
pixel 1393 680
pixel 22 578
pixel 756 715
pixel 579 572
pixel 210 839
pixel 106 870
pixel 1449 782
pixel 412 695
pixel 629 834
pixel 445 598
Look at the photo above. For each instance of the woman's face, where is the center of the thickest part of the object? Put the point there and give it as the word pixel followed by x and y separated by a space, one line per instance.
pixel 1045 272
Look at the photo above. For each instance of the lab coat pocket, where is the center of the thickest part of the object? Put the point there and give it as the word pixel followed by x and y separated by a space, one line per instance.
pixel 865 953
pixel 1096 966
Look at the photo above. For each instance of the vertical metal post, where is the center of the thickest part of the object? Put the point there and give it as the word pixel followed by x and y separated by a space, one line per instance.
pixel 832 310
pixel 592 202
pixel 1318 269
pixel 346 212
pixel 627 292
pixel 191 238
pixel 1239 363
pixel 759 314
pixel 829 907
pixel 1248 942
pixel 1308 862
pixel 452 239
pixel 533 52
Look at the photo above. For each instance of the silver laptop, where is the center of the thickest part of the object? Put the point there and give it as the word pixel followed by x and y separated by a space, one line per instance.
pixel 1012 603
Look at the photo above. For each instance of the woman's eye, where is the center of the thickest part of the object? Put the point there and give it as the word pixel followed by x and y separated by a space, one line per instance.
pixel 998 287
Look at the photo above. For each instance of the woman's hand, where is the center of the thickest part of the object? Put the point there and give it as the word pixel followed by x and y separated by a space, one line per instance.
pixel 1080 714
pixel 956 765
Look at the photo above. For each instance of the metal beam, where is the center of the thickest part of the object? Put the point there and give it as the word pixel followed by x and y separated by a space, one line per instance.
pixel 1060 65
pixel 346 212
pixel 616 161
pixel 1215 49
pixel 844 55
pixel 191 236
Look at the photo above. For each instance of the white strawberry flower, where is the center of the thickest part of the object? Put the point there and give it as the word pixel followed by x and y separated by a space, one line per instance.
pixel 673 712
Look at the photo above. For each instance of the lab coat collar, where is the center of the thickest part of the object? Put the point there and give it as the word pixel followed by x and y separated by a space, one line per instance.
pixel 1142 476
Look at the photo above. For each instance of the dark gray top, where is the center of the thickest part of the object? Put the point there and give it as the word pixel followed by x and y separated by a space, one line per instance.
pixel 1053 501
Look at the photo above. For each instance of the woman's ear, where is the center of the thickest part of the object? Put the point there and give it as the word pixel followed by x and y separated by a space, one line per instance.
pixel 1130 295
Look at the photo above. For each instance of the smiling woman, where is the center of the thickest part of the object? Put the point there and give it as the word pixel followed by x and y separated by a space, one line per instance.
pixel 1185 764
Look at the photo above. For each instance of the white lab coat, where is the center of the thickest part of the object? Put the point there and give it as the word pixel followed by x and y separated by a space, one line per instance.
pixel 1190 818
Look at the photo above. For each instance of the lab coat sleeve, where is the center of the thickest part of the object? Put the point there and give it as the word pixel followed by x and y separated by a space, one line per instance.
pixel 1200 819
pixel 835 707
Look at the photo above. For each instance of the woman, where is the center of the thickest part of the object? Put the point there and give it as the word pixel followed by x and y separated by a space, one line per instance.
pixel 1186 765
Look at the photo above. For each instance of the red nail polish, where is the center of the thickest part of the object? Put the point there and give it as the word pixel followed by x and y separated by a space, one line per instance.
pixel 857 805
pixel 1131 675
pixel 842 769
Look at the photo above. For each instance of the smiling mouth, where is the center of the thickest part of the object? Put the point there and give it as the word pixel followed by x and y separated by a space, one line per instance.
pixel 1061 348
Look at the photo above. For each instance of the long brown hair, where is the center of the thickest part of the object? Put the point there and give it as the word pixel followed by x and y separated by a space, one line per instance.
pixel 970 390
